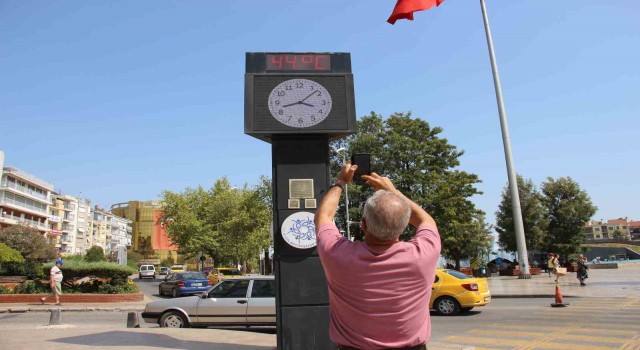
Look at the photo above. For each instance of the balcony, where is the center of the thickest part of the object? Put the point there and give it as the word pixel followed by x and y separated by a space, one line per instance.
pixel 24 190
pixel 12 219
pixel 69 217
pixel 69 206
pixel 23 206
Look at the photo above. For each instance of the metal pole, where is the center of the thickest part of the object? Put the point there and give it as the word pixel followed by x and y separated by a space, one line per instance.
pixel 346 195
pixel 513 183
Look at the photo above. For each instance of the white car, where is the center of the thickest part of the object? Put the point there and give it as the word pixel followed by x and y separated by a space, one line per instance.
pixel 242 301
pixel 147 271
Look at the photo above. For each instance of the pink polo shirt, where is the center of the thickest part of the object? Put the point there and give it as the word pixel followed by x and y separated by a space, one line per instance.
pixel 379 300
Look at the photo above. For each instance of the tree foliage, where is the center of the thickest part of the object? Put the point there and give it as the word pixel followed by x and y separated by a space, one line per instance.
pixel 567 209
pixel 226 223
pixel 424 166
pixel 8 254
pixel 27 240
pixel 94 254
pixel 533 217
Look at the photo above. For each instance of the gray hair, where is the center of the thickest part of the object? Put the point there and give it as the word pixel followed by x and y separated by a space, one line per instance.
pixel 386 215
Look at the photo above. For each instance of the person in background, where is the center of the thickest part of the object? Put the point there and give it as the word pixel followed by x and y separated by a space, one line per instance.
pixel 556 264
pixel 582 273
pixel 365 313
pixel 550 263
pixel 55 281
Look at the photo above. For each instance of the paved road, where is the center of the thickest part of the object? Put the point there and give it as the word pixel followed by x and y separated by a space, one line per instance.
pixel 528 323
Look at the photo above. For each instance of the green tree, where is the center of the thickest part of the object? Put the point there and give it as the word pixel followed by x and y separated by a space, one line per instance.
pixel 28 241
pixel 533 217
pixel 8 254
pixel 567 209
pixel 617 234
pixel 424 166
pixel 229 224
pixel 94 254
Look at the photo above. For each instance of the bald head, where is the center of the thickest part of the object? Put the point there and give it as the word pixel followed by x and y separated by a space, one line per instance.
pixel 386 215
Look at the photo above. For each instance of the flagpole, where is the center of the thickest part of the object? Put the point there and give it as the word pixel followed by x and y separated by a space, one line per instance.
pixel 506 141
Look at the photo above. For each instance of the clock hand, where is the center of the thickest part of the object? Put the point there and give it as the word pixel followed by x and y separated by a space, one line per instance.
pixel 291 104
pixel 306 104
pixel 311 94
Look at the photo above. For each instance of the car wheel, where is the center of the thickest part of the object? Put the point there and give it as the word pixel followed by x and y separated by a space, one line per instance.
pixel 466 309
pixel 173 319
pixel 446 306
pixel 160 291
pixel 175 293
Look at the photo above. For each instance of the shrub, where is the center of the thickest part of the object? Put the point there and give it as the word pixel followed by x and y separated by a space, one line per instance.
pixel 31 287
pixel 76 270
pixel 30 269
pixel 94 254
pixel 5 290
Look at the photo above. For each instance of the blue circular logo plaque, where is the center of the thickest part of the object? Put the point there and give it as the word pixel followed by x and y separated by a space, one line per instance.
pixel 299 231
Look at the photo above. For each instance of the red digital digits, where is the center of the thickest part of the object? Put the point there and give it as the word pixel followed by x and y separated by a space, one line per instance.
pixel 298 62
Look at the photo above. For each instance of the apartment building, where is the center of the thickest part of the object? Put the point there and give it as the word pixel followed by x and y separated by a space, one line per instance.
pixel 24 198
pixel 149 236
pixel 83 234
pixel 121 230
pixel 68 224
pixel 109 231
pixel 610 229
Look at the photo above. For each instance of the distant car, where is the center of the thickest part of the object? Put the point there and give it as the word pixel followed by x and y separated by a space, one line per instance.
pixel 183 283
pixel 164 271
pixel 147 271
pixel 454 292
pixel 206 270
pixel 224 273
pixel 176 268
pixel 243 301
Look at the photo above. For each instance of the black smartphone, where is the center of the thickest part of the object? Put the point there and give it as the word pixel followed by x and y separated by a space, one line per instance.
pixel 363 161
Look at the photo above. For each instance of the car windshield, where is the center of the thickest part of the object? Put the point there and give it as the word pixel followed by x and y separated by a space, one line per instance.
pixel 231 272
pixel 192 276
pixel 457 274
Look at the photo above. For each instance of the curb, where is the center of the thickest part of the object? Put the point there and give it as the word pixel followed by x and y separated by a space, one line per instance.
pixel 513 296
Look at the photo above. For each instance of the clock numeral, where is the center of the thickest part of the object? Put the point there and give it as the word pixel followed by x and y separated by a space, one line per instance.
pixel 288 87
pixel 324 102
pixel 299 85
pixel 321 111
pixel 289 118
pixel 281 112
pixel 280 93
pixel 300 120
pixel 277 102
pixel 313 118
pixel 319 93
pixel 312 87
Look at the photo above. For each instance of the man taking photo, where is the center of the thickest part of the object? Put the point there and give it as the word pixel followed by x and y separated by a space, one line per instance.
pixel 379 289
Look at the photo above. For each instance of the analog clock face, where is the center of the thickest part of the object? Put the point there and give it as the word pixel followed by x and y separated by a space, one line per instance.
pixel 299 103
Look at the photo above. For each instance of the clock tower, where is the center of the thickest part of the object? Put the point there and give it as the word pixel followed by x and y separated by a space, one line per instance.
pixel 298 102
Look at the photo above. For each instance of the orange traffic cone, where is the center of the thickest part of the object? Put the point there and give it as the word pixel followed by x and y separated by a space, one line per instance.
pixel 559 302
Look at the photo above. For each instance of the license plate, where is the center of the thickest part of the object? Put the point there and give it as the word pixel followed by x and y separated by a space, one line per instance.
pixel 487 298
pixel 196 284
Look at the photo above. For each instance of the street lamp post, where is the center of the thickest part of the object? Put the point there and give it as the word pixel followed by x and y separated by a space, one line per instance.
pixel 346 194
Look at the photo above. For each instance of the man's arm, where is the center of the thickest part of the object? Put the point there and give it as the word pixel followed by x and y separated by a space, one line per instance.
pixel 329 203
pixel 419 217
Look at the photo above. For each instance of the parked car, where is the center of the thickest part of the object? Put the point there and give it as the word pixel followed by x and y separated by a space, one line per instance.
pixel 176 268
pixel 243 301
pixel 147 271
pixel 164 270
pixel 454 292
pixel 183 283
pixel 222 273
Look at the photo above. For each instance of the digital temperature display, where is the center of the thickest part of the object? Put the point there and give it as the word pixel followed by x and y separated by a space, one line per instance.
pixel 298 62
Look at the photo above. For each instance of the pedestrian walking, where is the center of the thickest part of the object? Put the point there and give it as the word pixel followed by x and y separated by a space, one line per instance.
pixel 583 270
pixel 556 266
pixel 55 281
pixel 550 263
pixel 378 289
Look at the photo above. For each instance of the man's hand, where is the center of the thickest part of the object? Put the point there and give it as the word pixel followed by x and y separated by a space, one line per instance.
pixel 378 182
pixel 345 176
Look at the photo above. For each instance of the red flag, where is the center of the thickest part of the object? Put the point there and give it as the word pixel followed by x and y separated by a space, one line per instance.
pixel 405 8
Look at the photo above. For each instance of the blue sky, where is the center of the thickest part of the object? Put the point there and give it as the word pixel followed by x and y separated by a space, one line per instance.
pixel 119 100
